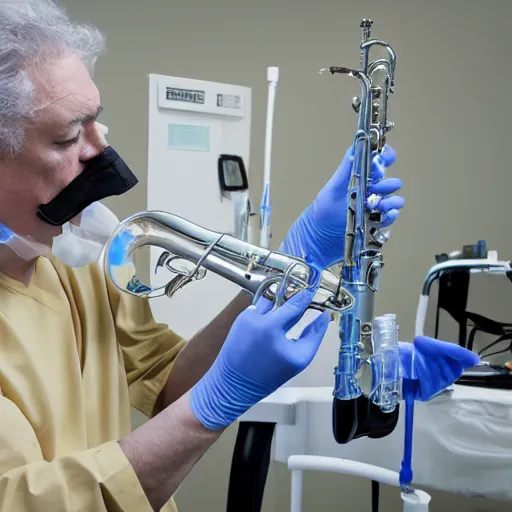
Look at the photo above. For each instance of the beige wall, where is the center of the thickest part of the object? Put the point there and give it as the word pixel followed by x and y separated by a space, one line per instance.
pixel 452 111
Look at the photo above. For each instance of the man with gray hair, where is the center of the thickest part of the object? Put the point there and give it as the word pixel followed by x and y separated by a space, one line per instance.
pixel 75 352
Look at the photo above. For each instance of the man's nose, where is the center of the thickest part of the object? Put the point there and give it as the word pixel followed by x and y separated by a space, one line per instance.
pixel 94 142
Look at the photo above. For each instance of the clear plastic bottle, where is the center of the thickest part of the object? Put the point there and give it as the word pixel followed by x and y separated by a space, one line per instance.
pixel 386 363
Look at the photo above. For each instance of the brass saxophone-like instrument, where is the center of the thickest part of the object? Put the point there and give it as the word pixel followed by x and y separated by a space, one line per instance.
pixel 366 397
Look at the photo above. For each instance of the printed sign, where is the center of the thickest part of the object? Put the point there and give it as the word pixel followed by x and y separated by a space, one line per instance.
pixel 187 137
pixel 186 95
pixel 229 101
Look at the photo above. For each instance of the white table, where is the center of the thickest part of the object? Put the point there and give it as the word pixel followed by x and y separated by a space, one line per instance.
pixel 462 441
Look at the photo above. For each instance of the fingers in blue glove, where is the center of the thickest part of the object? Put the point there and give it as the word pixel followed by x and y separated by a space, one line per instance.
pixel 306 347
pixel 287 316
pixel 390 208
pixel 338 184
pixel 435 348
pixel 380 162
pixel 390 203
pixel 293 309
pixel 386 187
pixel 435 364
pixel 387 157
pixel 299 302
pixel 389 219
pixel 263 306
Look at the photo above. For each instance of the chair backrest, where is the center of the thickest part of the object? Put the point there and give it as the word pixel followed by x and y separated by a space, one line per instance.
pixel 453 293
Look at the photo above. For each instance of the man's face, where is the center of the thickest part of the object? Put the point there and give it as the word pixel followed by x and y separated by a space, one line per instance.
pixel 63 137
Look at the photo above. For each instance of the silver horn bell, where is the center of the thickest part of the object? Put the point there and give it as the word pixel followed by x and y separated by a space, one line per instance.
pixel 191 250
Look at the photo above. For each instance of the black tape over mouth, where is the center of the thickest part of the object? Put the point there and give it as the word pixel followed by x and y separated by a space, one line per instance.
pixel 104 176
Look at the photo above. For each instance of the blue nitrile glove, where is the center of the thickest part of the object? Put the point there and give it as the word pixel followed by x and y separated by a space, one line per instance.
pixel 434 364
pixel 317 236
pixel 257 358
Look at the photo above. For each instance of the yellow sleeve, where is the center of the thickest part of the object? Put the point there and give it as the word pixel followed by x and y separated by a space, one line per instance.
pixel 97 480
pixel 149 348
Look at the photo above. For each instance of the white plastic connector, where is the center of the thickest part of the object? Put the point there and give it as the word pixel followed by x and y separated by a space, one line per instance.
pixel 418 501
pixel 385 332
pixel 273 74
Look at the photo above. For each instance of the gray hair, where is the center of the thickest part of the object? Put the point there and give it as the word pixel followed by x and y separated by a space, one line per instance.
pixel 30 32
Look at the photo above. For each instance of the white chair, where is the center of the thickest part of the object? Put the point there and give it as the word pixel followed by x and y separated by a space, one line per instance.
pixel 415 501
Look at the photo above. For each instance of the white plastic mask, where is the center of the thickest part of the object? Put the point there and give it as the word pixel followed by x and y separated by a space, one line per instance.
pixel 78 246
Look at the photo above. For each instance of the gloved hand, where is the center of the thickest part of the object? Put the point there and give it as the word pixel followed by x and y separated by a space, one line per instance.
pixel 317 236
pixel 257 358
pixel 434 364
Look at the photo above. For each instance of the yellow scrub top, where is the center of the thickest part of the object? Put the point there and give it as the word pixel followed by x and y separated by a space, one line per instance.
pixel 74 354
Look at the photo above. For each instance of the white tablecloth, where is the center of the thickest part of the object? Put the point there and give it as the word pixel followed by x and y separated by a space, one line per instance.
pixel 462 441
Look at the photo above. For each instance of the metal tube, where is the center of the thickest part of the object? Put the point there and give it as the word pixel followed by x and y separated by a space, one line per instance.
pixel 296 491
pixel 345 467
pixel 449 266
pixel 414 501
pixel 266 205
